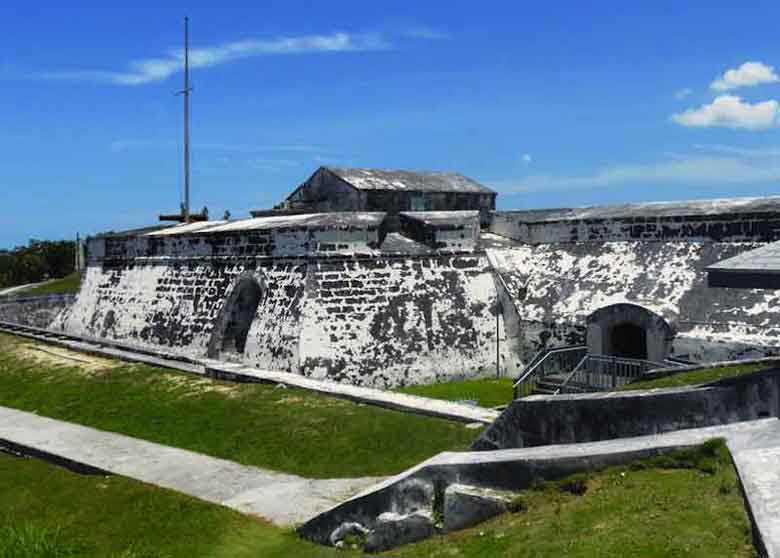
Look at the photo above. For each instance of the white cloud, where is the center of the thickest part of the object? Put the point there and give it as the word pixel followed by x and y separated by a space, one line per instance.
pixel 526 158
pixel 682 93
pixel 710 165
pixel 730 111
pixel 748 74
pixel 157 69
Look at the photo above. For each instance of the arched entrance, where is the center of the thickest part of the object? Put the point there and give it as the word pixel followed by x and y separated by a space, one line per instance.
pixel 629 331
pixel 232 328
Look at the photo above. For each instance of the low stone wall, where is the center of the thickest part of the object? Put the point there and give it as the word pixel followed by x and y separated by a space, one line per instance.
pixel 564 419
pixel 37 311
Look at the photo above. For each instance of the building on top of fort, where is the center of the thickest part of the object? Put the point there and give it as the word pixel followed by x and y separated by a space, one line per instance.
pixel 390 191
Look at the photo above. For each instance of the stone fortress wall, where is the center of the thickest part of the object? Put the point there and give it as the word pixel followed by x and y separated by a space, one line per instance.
pixel 353 313
pixel 338 296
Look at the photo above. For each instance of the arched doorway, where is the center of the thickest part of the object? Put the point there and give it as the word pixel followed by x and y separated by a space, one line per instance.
pixel 628 340
pixel 630 331
pixel 232 329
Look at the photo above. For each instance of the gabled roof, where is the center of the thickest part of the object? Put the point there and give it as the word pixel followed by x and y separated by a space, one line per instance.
pixel 407 180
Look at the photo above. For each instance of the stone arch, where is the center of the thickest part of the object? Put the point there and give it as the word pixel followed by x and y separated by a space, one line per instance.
pixel 631 331
pixel 229 337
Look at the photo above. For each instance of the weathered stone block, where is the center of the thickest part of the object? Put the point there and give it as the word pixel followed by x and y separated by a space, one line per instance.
pixel 392 530
pixel 465 506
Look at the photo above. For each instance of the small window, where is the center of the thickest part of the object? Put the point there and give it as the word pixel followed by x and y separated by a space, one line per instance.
pixel 417 202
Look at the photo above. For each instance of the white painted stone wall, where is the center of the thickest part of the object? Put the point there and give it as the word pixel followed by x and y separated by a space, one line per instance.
pixel 556 286
pixel 377 321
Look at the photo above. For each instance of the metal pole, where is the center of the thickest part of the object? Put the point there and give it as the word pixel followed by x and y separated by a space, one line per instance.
pixel 186 121
pixel 498 340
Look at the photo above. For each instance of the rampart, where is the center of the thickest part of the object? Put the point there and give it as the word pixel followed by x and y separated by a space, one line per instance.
pixel 353 314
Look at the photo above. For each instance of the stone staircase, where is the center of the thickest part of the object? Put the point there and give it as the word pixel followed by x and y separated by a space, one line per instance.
pixel 552 384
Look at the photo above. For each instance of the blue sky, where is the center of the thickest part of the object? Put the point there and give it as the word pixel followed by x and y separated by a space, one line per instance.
pixel 550 103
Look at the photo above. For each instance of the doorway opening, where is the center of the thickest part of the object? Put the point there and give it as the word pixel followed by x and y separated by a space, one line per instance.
pixel 239 313
pixel 628 340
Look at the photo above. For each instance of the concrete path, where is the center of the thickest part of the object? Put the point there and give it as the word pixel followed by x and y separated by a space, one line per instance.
pixel 390 399
pixel 11 290
pixel 758 464
pixel 282 499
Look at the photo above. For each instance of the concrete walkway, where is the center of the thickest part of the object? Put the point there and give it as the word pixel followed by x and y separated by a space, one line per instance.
pixel 282 499
pixel 390 399
pixel 11 290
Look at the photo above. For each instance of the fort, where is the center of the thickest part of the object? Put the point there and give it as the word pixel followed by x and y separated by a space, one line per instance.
pixel 364 279
pixel 391 278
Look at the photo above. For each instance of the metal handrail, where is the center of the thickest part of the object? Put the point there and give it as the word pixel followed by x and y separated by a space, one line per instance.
pixel 626 364
pixel 582 361
pixel 626 360
pixel 529 370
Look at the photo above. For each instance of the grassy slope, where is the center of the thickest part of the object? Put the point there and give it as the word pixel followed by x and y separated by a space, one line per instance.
pixel 686 505
pixel 255 424
pixel 657 508
pixel 68 284
pixel 49 512
pixel 487 392
pixel 695 377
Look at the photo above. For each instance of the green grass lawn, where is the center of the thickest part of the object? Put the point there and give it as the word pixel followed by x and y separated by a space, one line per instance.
pixel 488 392
pixel 67 285
pixel 49 512
pixel 687 504
pixel 695 377
pixel 287 430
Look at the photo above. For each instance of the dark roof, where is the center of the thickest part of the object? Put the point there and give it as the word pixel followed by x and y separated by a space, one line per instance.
pixel 753 269
pixel 410 181
pixel 724 206
pixel 438 218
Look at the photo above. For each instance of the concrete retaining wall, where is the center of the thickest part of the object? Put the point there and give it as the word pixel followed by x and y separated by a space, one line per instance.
pixel 37 311
pixel 562 419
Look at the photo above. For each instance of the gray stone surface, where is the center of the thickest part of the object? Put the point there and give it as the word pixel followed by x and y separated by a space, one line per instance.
pixel 392 530
pixel 280 498
pixel 465 506
pixel 37 311
pixel 759 473
pixel 540 419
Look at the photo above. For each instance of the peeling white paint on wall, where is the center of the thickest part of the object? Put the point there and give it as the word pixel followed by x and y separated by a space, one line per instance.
pixel 561 284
